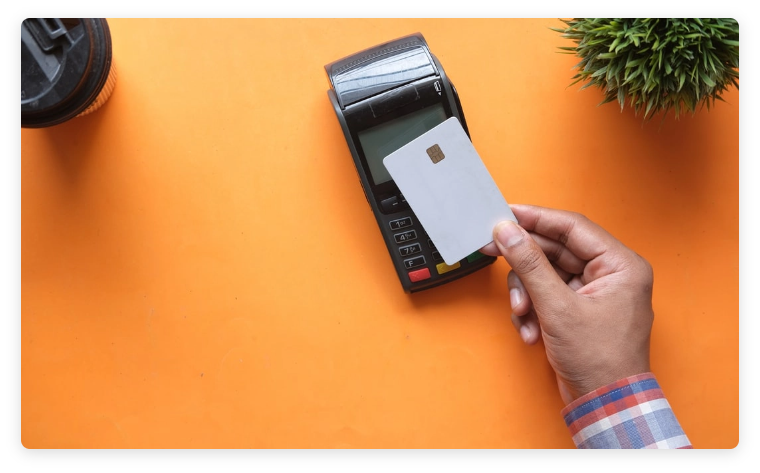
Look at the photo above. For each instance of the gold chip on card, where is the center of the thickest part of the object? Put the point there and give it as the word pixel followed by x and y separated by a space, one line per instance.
pixel 435 153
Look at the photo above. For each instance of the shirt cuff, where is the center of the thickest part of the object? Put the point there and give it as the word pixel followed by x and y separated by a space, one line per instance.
pixel 629 413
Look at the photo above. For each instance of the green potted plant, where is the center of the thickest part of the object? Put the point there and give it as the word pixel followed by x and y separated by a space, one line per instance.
pixel 656 64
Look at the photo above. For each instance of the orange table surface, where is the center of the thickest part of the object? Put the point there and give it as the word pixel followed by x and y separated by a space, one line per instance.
pixel 200 268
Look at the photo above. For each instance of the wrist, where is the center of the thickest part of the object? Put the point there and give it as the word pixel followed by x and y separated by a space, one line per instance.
pixel 603 377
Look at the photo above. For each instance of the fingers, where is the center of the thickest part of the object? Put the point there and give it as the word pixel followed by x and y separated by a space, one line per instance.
pixel 558 254
pixel 518 296
pixel 491 250
pixel 581 236
pixel 555 252
pixel 527 326
pixel 527 260
pixel 523 316
pixel 575 283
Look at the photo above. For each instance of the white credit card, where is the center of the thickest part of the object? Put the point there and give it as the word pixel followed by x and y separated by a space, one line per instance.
pixel 449 189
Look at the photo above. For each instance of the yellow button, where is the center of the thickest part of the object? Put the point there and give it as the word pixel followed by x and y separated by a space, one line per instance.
pixel 445 268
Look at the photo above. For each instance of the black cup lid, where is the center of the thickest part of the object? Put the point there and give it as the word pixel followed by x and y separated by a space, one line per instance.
pixel 64 65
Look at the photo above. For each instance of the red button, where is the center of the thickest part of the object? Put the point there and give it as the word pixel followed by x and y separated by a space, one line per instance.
pixel 419 275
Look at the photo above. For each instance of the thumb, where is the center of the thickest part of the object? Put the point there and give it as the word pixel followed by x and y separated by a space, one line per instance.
pixel 528 261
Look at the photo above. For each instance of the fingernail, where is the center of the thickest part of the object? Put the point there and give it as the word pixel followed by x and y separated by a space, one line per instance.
pixel 508 233
pixel 525 333
pixel 515 297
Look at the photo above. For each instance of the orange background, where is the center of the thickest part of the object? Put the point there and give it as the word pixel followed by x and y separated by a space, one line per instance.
pixel 199 266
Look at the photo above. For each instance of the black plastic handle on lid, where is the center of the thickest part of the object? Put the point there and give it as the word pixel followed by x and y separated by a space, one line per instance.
pixel 64 65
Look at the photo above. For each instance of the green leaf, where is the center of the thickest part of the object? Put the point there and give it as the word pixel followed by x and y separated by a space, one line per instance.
pixel 712 64
pixel 622 45
pixel 608 98
pixel 649 107
pixel 587 85
pixel 632 76
pixel 706 79
pixel 600 72
pixel 621 98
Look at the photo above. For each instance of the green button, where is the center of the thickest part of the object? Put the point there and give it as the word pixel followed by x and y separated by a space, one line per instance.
pixel 475 256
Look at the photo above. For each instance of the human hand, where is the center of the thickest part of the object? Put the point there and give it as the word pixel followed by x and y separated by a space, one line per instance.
pixel 585 293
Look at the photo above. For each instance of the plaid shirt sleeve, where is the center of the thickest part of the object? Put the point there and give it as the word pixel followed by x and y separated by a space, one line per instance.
pixel 630 413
